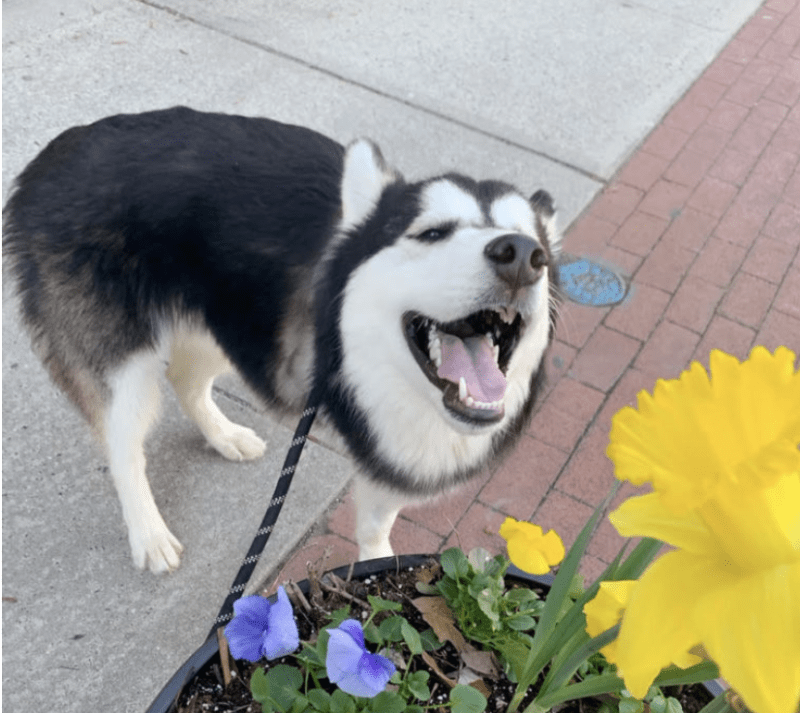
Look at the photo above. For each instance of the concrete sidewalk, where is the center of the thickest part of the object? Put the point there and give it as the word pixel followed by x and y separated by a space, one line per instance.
pixel 558 97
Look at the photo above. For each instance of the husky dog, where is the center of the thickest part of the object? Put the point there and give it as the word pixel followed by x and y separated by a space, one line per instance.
pixel 423 310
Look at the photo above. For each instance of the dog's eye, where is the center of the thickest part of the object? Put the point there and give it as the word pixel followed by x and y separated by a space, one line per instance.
pixel 434 234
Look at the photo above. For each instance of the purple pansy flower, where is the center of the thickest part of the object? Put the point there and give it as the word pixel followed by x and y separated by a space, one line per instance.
pixel 260 629
pixel 351 667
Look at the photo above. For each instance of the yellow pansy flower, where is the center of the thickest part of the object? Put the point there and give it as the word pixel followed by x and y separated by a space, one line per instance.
pixel 529 548
pixel 721 453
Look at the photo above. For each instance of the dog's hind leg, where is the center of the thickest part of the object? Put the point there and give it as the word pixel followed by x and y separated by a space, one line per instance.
pixel 131 410
pixel 376 510
pixel 195 361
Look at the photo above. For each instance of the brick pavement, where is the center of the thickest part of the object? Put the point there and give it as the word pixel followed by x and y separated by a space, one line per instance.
pixel 704 220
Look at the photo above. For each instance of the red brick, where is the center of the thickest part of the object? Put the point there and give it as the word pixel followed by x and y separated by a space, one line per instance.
pixel 726 335
pixel 688 168
pixel 624 394
pixel 578 322
pixel 748 300
pixel 745 92
pixel 342 518
pixel 782 6
pixel 589 235
pixel 718 262
pixel 724 70
pixel 520 484
pixel 589 474
pixel 759 28
pixel 788 298
pixel 616 203
pixel 750 137
pixel 556 428
pixel 775 165
pixel 411 538
pixel 791 192
pixel 604 359
pixel 694 303
pixel 665 266
pixel 665 142
pixel 642 170
pixel 780 329
pixel 789 31
pixel 784 224
pixel 748 213
pixel 709 140
pixel 668 351
pixel 639 233
pixel 783 90
pixel 727 115
pixel 564 514
pixel 566 413
pixel 665 200
pixel 705 93
pixel 768 114
pixel 713 196
pixel 479 528
pixel 606 542
pixel 638 315
pixel 760 70
pixel 324 552
pixel 442 513
pixel 690 229
pixel 775 50
pixel 559 359
pixel 739 52
pixel 624 262
pixel 787 137
pixel 769 259
pixel 686 116
pixel 733 166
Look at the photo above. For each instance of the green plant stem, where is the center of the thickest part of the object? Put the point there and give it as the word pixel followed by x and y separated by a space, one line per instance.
pixel 719 705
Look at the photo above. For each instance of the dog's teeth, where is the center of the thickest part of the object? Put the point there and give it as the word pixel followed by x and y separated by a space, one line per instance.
pixel 462 389
pixel 508 314
pixel 496 351
pixel 470 401
pixel 435 346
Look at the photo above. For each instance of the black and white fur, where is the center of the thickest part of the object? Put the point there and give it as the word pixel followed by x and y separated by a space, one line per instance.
pixel 207 241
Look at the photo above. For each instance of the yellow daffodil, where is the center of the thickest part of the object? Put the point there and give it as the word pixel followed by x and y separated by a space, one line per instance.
pixel 529 548
pixel 605 611
pixel 721 453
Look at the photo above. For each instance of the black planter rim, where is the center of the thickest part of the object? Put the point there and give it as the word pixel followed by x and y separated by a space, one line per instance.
pixel 166 700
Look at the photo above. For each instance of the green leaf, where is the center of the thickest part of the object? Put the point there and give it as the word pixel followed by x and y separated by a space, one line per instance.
pixel 521 595
pixel 631 705
pixel 259 686
pixel 430 642
pixel 465 699
pixel 411 637
pixel 342 702
pixel 454 563
pixel 704 671
pixel 387 702
pixel 321 700
pixel 380 604
pixel 522 622
pixel 391 629
pixel 595 686
pixel 674 705
pixel 417 683
pixel 284 685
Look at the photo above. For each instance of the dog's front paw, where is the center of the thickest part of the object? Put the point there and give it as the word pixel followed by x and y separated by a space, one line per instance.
pixel 156 548
pixel 238 443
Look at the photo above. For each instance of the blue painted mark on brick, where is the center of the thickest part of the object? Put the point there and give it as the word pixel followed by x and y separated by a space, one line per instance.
pixel 589 283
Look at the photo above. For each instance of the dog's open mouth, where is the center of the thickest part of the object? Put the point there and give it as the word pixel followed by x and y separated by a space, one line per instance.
pixel 467 359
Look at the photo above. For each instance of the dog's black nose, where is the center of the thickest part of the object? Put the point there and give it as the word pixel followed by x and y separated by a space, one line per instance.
pixel 517 259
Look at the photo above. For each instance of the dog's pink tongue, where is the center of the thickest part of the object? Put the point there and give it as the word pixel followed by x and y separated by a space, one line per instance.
pixel 472 358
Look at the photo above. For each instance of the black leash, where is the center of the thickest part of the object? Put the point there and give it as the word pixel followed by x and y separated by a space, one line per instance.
pixel 273 510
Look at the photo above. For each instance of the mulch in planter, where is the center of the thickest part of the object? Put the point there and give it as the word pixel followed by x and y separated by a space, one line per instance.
pixel 208 692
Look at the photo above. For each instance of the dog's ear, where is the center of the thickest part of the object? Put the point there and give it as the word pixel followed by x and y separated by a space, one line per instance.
pixel 545 211
pixel 364 178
